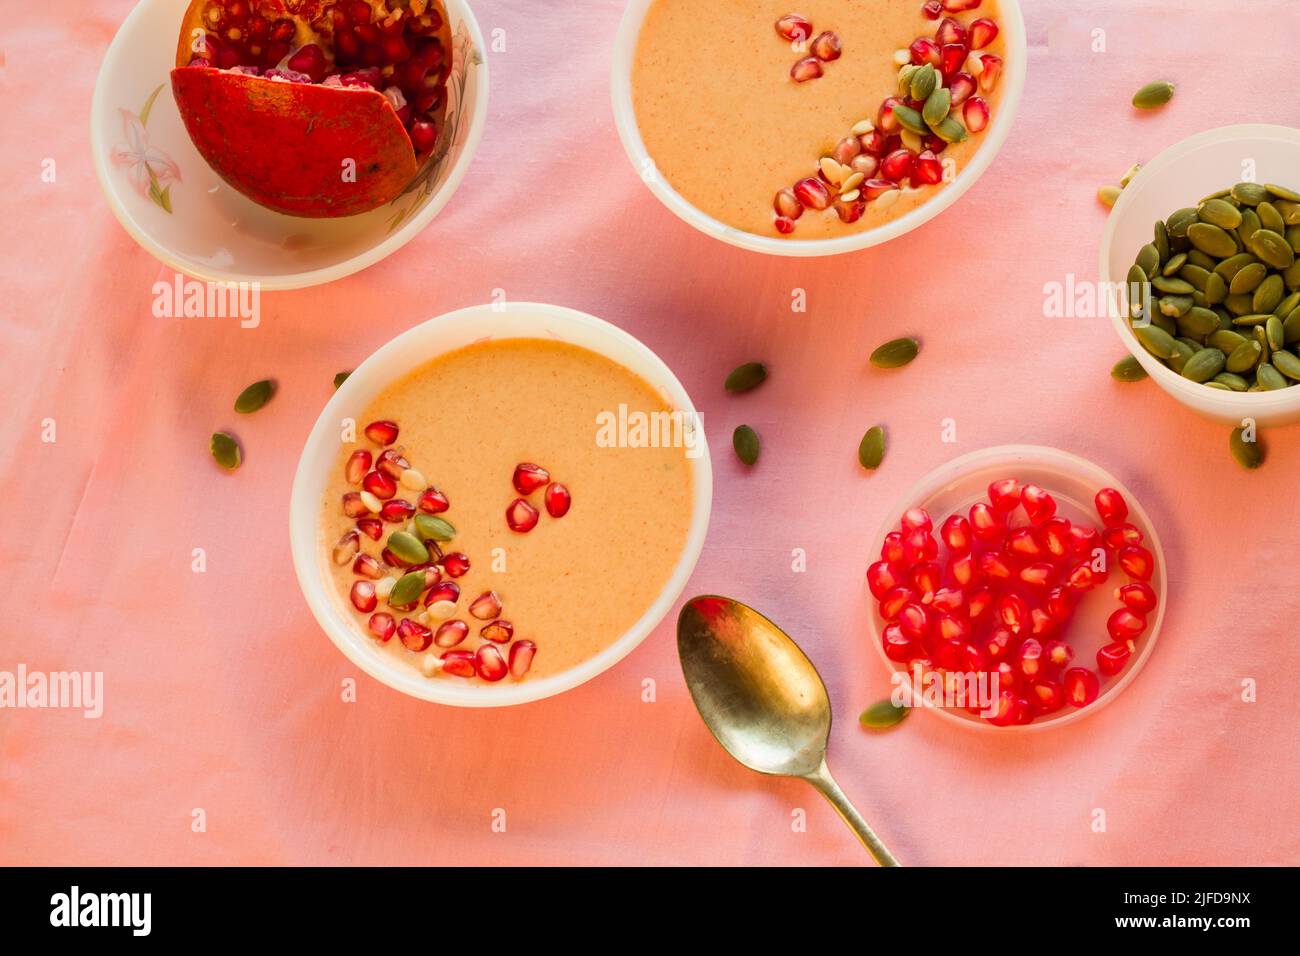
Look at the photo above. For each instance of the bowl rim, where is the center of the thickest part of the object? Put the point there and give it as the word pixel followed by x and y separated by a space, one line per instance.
pixel 305 500
pixel 629 133
pixel 1015 455
pixel 1188 393
pixel 296 280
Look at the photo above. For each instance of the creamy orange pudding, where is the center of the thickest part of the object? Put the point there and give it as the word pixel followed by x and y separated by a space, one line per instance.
pixel 492 520
pixel 848 114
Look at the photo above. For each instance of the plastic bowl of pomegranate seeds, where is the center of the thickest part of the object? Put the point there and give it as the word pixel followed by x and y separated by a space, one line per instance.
pixel 477 506
pixel 721 72
pixel 1179 179
pixel 178 209
pixel 1001 562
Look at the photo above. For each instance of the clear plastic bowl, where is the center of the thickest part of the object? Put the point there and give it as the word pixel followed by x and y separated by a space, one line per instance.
pixel 1072 481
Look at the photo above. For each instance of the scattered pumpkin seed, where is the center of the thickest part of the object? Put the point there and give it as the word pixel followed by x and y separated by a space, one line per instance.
pixel 1128 369
pixel 1130 175
pixel 254 397
pixel 431 527
pixel 746 377
pixel 871 450
pixel 883 715
pixel 407 589
pixel 340 378
pixel 226 451
pixel 895 354
pixel 745 441
pixel 1154 95
pixel 1109 195
pixel 1247 453
pixel 408 547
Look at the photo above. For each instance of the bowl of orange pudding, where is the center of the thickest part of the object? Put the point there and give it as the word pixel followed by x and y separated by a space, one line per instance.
pixel 500 504
pixel 819 127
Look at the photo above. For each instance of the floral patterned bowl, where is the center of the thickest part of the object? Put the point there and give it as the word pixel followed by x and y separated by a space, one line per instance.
pixel 176 207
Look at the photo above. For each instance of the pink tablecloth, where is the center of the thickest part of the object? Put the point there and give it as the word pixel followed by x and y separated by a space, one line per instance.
pixel 223 696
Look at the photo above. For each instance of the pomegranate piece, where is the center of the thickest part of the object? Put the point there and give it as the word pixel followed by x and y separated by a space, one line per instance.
pixel 391 463
pixel 988 525
pixel 1060 604
pixel 379 485
pixel 367 567
pixel 1041 623
pixel 1056 537
pixel 558 500
pixel 964 570
pixel 432 502
pixel 1084 577
pixel 928 170
pixel 809 68
pixel 1118 536
pixel 1012 612
pixel 363 596
pixel 851 212
pixel 447 591
pixel 1046 696
pixel 978 602
pixel 998 643
pixel 451 633
pixel 382 432
pixel 949 627
pixel 950 31
pixel 826 47
pixel 882 578
pixel 915 622
pixel 886 122
pixel 489 664
pixel 1004 495
pixel 1111 507
pixel 486 606
pixel 354 506
pixel 976 114
pixel 382 626
pixel 991 72
pixel 961 87
pixel 498 632
pixel 925 50
pixel 1083 539
pixel 1024 543
pixel 895 600
pixel 873 144
pixel 1039 505
pixel 521 516
pixel 1080 686
pixel 1137 562
pixel 1010 710
pixel 960 6
pixel 933 9
pixel 424 136
pixel 1138 597
pixel 950 600
pixel 982 32
pixel 1112 658
pixel 1124 625
pixel 891 552
pixel 1039 575
pixel 956 534
pixel 995 567
pixel 529 477
pixel 1030 657
pixel 952 57
pixel 783 225
pixel 397 510
pixel 787 204
pixel 916 519
pixel 897 645
pixel 813 193
pixel 1007 675
pixel 414 635
pixel 875 188
pixel 392 560
pixel 372 528
pixel 898 165
pixel 347 548
pixel 927 577
pixel 521 658
pixel 1058 653
pixel 458 663
pixel 357 466
pixel 455 564
pixel 794 27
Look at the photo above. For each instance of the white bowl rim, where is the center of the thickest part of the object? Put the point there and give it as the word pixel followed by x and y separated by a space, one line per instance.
pixel 951 471
pixel 304 517
pixel 1186 392
pixel 629 133
pixel 313 277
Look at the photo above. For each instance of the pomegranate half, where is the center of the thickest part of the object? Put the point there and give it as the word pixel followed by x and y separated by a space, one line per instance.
pixel 315 108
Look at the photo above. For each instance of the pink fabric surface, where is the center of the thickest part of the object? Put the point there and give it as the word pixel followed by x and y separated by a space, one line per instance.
pixel 222 693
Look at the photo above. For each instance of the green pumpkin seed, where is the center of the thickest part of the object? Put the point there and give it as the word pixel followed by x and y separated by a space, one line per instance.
pixel 1108 195
pixel 746 377
pixel 1281 192
pixel 911 120
pixel 408 547
pixel 1268 296
pixel 1287 305
pixel 1216 289
pixel 1219 213
pixel 950 131
pixel 1249 225
pixel 1174 264
pixel 1269 379
pixel 1226 340
pixel 340 378
pixel 1197 258
pixel 1198 323
pixel 1261 336
pixel 1195 276
pixel 1217 386
pixel 1172 285
pixel 1287 363
pixel 1291 328
pixel 871 450
pixel 1247 280
pixel 1225 318
pixel 1204 365
pixel 937 106
pixel 1272 249
pixel 1250 194
pixel 1183 352
pixel 1211 240
pixel 922 83
pixel 1275 336
pixel 1165 323
pixel 1292 276
pixel 434 528
pixel 1156 341
pixel 1244 357
pixel 407 589
pixel 883 715
pixel 1290 212
pixel 1180 221
pixel 1234 383
pixel 1251 319
pixel 1128 369
pixel 1293 238
pixel 1129 176
pixel 905 78
pixel 1148 260
pixel 1229 267
pixel 254 397
pixel 1154 95
pixel 1175 305
pixel 226 451
pixel 1161 240
pixel 1238 304
pixel 895 354
pixel 745 441
pixel 1220 194
pixel 1248 454
pixel 1270 218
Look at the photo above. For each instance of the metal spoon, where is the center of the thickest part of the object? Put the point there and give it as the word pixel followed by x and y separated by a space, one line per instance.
pixel 763 700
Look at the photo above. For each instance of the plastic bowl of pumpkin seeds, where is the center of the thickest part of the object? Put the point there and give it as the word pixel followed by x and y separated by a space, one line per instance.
pixel 1207 237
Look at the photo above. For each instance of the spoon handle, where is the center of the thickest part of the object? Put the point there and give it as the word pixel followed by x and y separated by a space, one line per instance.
pixel 821 779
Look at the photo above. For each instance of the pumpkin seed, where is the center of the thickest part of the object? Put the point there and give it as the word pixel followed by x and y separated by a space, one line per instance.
pixel 1287 305
pixel 1204 365
pixel 1293 238
pixel 1291 328
pixel 1156 341
pixel 1250 194
pixel 1287 363
pixel 1162 240
pixel 1219 213
pixel 895 354
pixel 745 441
pixel 1248 279
pixel 340 378
pixel 254 397
pixel 1268 378
pixel 950 131
pixel 1130 175
pixel 1234 383
pixel 1197 258
pixel 1198 323
pixel 1172 285
pixel 226 451
pixel 1270 218
pixel 1128 369
pixel 431 527
pixel 1290 212
pixel 1273 249
pixel 1195 276
pixel 871 450
pixel 1229 267
pixel 1238 304
pixel 1174 264
pixel 1281 192
pixel 1153 95
pixel 1183 352
pixel 1108 195
pixel 1248 454
pixel 910 119
pixel 1211 240
pixel 408 547
pixel 883 715
pixel 922 84
pixel 1165 323
pixel 905 78
pixel 1275 336
pixel 1175 305
pixel 1225 340
pixel 407 589
pixel 1292 276
pixel 1217 386
pixel 1148 260
pixel 1268 296
pixel 1179 222
pixel 1244 357
pixel 1249 225
pixel 1251 319
pixel 1216 289
pixel 746 377
pixel 937 106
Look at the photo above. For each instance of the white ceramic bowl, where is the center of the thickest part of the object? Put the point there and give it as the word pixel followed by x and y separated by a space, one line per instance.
pixel 1072 481
pixel 205 228
pixel 406 352
pixel 1013 84
pixel 1178 177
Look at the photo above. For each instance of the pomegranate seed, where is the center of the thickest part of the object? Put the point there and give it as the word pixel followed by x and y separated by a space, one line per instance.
pixel 1008 676
pixel 1039 505
pixel 432 502
pixel 357 466
pixel 873 143
pixel 367 567
pixel 1084 577
pixel 424 135
pixel 1060 604
pixel 960 6
pixel 397 510
pixel 881 578
pixel 976 114
pixel 432 575
pixel 458 663
pixel 1138 598
pixel 924 50
pixel 1056 537
pixel 998 643
pixel 794 27
pixel 1058 653
pixel 972 657
pixel 948 655
pixel 363 596
pixel 392 560
pixel 956 534
pixel 897 645
pixel 382 433
pixel 995 566
pixel 372 528
pixel 455 564
pixel 489 663
pixel 916 519
pixel 919 546
pixel 529 477
pixel 1118 536
pixel 1080 686
pixel 933 9
pixel 558 500
pixel 1038 575
pixel 851 212
pixel 1012 611
pixel 379 485
pixel 813 193
pixel 391 463
pixel 787 204
pixel 1111 507
pixel 1041 624
pixel 414 635
pixel 978 602
pixel 347 548
pixel 927 577
pixel 950 31
pixel 486 606
pixel 1030 657
pixel 846 150
pixel 447 591
pixel 914 619
pixel 952 600
pixel 1112 658
pixel 895 600
pixel 354 506
pixel 951 59
pixel 991 73
pixel 826 47
pixel 521 658
pixel 961 87
pixel 928 170
pixel 988 526
pixel 1124 625
pixel 886 121
pixel 875 188
pixel 1083 539
pixel 1137 562
pixel 898 165
pixel 521 516
pixel 451 633
pixel 1004 495
pixel 309 59
pixel 783 225
pixel 1024 543
pixel 964 570
pixel 934 144
pixel 952 628
pixel 1046 696
pixel 809 68
pixel 892 550
pixel 499 632
pixel 1010 710
pixel 982 32
pixel 382 626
